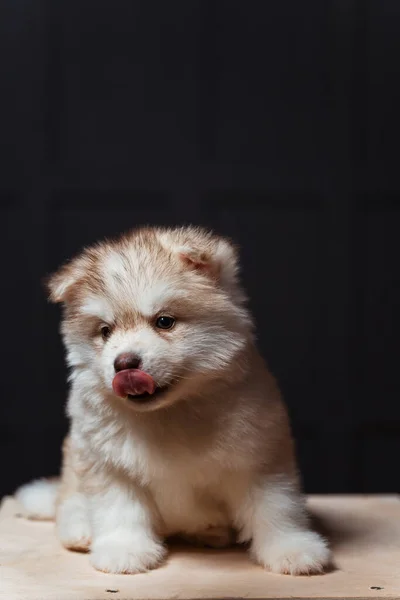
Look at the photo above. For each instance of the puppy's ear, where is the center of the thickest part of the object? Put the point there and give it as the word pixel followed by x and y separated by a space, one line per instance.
pixel 61 283
pixel 219 261
pixel 207 254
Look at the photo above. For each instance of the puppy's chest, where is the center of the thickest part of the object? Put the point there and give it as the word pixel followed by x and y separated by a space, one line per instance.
pixel 152 457
pixel 190 485
pixel 187 488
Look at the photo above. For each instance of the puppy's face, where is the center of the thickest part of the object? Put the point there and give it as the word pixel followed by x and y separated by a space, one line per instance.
pixel 149 316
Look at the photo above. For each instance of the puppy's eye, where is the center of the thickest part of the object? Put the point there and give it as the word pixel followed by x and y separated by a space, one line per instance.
pixel 105 332
pixel 165 322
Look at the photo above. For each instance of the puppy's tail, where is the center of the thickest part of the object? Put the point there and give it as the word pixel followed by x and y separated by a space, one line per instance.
pixel 38 499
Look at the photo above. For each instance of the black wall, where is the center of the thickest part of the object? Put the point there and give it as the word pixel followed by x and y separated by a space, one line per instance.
pixel 274 122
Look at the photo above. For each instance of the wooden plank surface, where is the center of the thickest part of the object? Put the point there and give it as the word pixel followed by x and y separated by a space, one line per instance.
pixel 364 533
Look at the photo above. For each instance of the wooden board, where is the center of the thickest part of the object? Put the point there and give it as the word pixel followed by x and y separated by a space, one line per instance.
pixel 364 533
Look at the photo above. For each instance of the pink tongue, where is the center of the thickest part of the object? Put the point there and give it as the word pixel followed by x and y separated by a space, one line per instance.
pixel 133 382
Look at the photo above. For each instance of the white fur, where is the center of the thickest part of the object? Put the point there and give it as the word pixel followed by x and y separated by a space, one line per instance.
pixel 273 518
pixel 73 525
pixel 213 454
pixel 114 267
pixel 270 513
pixel 97 307
pixel 124 541
pixel 148 294
pixel 38 499
pixel 153 298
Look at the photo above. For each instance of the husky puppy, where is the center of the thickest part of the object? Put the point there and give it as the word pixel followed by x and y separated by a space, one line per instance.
pixel 177 426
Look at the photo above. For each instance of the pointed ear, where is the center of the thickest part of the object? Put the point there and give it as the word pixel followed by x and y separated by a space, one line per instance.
pixel 61 283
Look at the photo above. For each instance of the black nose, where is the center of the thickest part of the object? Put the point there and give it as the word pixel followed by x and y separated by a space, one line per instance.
pixel 126 361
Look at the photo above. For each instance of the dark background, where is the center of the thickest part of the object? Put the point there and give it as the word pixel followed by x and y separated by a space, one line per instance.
pixel 274 122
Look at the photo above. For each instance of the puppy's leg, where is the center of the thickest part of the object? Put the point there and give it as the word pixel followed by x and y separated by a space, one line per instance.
pixel 273 516
pixel 72 520
pixel 123 536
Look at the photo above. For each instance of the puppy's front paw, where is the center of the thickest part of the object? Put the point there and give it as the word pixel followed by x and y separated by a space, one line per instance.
pixel 72 524
pixel 127 554
pixel 74 535
pixel 296 553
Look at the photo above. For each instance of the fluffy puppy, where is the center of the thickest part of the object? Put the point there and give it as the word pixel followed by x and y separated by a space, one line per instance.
pixel 177 426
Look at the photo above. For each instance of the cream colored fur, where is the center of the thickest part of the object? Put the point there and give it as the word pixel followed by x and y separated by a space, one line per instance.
pixel 211 458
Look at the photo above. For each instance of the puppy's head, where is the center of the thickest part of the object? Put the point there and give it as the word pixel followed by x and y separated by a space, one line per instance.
pixel 151 315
